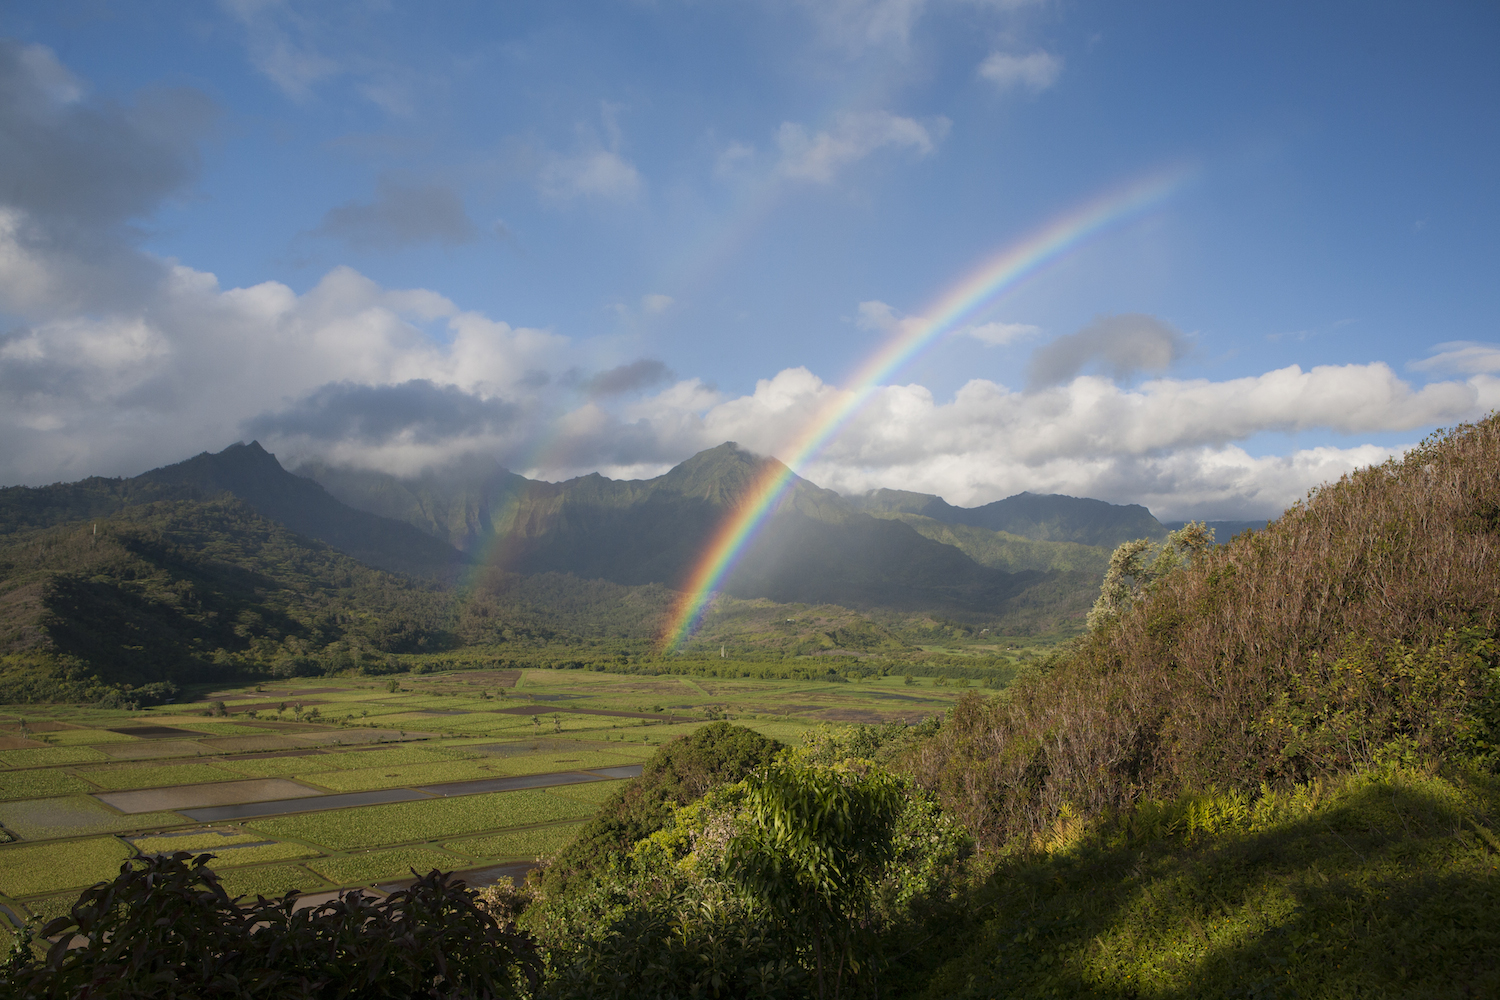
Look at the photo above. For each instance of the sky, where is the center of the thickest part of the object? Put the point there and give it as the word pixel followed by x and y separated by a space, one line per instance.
pixel 602 236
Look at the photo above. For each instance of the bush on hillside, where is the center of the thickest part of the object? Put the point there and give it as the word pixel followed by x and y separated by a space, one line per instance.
pixel 804 879
pixel 1366 617
pixel 680 772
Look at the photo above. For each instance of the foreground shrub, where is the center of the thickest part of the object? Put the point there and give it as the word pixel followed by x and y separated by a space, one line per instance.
pixel 165 928
pixel 803 880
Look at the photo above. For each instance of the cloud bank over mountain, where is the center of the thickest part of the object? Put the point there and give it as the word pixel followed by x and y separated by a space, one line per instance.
pixel 114 360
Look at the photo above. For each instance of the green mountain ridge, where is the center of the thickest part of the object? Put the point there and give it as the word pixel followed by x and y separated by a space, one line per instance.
pixel 817 548
pixel 252 474
pixel 1048 518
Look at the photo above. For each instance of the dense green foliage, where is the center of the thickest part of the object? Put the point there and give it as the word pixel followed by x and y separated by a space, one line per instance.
pixel 813 847
pixel 677 774
pixel 803 878
pixel 180 590
pixel 165 928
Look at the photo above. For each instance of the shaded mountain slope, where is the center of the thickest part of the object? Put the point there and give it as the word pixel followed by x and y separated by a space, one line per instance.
pixel 249 472
pixel 818 548
pixel 1012 553
pixel 1051 517
pixel 186 590
pixel 452 503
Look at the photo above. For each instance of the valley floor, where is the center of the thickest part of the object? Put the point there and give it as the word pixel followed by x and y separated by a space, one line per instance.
pixel 328 783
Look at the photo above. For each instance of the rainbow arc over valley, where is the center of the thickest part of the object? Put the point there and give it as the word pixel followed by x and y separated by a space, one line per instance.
pixel 957 306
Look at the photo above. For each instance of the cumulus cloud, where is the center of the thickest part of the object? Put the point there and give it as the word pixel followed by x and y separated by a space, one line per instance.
pixel 1120 345
pixel 1035 71
pixel 1172 444
pixel 632 377
pixel 113 361
pixel 75 172
pixel 1461 356
pixel 820 156
pixel 400 215
pixel 417 410
pixel 122 392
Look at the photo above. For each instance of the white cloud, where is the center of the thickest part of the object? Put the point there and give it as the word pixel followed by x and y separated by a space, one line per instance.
pixel 1171 444
pixel 197 363
pixel 1035 71
pixel 878 317
pixel 598 174
pixel 278 47
pixel 1468 357
pixel 854 136
pixel 732 159
pixel 998 334
pixel 656 303
pixel 858 25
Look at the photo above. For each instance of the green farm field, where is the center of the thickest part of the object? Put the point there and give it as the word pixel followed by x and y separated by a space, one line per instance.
pixel 62 767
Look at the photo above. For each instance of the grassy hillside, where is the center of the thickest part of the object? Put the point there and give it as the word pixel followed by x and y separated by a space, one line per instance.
pixel 1362 622
pixel 1383 884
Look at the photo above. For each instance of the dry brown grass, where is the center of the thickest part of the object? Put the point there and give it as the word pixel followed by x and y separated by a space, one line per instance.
pixel 1362 622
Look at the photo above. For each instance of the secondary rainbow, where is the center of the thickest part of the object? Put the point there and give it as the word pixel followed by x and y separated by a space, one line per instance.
pixel 960 303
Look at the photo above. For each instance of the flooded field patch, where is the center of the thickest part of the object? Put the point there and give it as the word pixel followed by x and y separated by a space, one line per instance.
pixel 148 776
pixel 46 819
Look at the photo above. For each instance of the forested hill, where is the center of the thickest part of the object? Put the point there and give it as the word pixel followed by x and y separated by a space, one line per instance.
pixel 249 472
pixel 183 590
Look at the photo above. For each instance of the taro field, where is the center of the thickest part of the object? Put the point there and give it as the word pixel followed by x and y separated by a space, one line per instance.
pixel 327 784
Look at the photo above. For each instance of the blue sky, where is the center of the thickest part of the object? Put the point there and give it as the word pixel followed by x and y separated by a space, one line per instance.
pixel 580 236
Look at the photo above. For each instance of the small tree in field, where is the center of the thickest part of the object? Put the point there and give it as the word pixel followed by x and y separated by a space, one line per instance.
pixel 816 845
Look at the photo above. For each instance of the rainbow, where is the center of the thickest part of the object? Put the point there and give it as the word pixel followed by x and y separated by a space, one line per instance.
pixel 960 303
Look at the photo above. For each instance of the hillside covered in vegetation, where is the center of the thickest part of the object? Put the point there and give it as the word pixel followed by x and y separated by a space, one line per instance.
pixel 1270 770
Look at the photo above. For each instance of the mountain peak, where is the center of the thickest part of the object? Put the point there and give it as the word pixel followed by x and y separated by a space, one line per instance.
pixel 721 474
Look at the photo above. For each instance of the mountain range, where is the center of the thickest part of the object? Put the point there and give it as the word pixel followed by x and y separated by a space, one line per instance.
pixel 228 559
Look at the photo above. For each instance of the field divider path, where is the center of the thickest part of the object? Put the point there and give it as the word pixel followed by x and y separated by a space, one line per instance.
pixel 344 800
